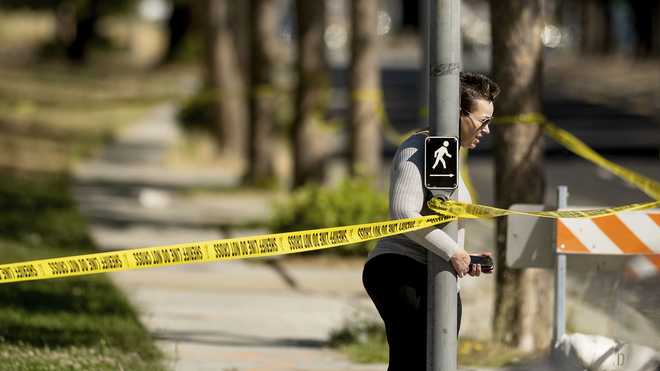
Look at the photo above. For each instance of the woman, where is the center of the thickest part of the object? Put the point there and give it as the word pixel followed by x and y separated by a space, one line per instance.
pixel 395 273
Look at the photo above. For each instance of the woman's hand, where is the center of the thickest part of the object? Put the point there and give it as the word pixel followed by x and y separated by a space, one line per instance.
pixel 461 262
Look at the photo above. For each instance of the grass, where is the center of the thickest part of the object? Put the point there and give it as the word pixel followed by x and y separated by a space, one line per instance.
pixel 51 116
pixel 364 341
pixel 62 324
pixel 25 358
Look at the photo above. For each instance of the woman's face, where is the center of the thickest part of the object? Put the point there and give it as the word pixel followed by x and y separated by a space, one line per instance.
pixel 475 124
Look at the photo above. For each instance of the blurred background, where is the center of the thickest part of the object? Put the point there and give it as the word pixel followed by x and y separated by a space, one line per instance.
pixel 147 122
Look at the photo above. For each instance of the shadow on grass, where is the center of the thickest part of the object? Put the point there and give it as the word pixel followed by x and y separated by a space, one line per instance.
pixel 40 220
pixel 37 209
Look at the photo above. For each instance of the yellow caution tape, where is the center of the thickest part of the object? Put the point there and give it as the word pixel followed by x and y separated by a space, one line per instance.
pixel 575 145
pixel 295 242
pixel 458 209
pixel 272 244
pixel 210 251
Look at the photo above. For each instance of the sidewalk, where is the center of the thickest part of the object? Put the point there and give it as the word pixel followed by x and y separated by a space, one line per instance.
pixel 240 316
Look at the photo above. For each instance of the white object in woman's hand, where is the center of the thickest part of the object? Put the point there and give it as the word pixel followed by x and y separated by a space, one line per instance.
pixel 461 262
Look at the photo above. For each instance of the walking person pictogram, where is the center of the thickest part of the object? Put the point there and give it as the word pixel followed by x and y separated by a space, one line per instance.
pixel 439 155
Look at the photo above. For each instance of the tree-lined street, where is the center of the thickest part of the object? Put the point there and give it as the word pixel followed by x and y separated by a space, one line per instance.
pixel 156 122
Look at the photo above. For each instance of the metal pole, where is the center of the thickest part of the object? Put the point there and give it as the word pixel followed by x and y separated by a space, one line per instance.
pixel 445 66
pixel 560 277
pixel 424 63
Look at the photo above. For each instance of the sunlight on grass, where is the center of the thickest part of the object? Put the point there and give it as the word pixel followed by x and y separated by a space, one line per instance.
pixel 471 353
pixel 24 357
pixel 61 114
pixel 363 340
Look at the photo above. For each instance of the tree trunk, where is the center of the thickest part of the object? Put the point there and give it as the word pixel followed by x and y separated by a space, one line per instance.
pixel 366 142
pixel 224 82
pixel 65 24
pixel 596 34
pixel 178 26
pixel 311 91
pixel 646 16
pixel 86 18
pixel 240 13
pixel 521 299
pixel 262 94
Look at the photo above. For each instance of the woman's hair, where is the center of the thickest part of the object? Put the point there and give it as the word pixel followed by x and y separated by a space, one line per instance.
pixel 476 86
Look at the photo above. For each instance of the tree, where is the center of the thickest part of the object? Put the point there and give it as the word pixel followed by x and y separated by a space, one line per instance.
pixel 365 121
pixel 311 91
pixel 263 27
pixel 522 316
pixel 240 15
pixel 596 36
pixel 85 16
pixel 179 25
pixel 224 81
pixel 646 15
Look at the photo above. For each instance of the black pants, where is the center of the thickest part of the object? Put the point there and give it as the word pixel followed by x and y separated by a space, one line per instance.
pixel 397 286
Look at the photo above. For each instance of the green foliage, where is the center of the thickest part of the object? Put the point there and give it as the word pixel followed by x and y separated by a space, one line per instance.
pixel 353 201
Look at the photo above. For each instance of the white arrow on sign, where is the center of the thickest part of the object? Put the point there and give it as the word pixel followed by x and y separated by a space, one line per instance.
pixel 449 175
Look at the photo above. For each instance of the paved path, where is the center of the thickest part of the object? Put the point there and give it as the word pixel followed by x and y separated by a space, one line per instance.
pixel 240 316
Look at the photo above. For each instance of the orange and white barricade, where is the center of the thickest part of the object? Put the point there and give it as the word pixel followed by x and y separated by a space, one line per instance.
pixel 628 233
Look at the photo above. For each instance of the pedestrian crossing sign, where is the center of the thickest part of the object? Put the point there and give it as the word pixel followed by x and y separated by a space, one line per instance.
pixel 441 162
